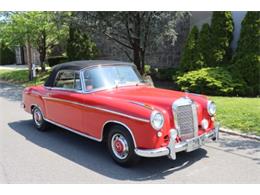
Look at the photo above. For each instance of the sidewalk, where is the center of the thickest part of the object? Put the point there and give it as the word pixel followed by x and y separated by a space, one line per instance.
pixel 13 67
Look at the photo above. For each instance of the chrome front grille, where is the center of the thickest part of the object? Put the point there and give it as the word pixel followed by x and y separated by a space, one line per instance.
pixel 185 118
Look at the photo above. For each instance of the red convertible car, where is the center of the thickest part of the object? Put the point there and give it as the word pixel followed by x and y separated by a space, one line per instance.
pixel 109 101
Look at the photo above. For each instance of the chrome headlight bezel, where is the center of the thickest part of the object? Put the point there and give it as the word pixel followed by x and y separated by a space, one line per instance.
pixel 154 114
pixel 211 107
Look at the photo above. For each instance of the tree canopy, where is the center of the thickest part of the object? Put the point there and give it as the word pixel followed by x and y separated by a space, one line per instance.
pixel 41 30
pixel 134 32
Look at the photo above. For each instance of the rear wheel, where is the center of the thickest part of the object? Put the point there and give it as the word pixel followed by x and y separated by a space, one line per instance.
pixel 38 119
pixel 121 146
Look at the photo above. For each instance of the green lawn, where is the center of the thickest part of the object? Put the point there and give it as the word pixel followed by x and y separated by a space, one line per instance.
pixel 237 113
pixel 241 114
pixel 21 77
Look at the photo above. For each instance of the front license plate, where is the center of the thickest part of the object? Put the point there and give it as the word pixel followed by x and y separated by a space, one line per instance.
pixel 194 144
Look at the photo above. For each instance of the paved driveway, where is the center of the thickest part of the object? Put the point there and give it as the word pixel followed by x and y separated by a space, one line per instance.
pixel 13 67
pixel 58 156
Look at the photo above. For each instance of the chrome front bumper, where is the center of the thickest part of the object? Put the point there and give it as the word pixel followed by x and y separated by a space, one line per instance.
pixel 173 147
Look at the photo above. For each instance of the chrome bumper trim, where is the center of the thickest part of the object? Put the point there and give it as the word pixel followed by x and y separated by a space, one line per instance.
pixel 173 148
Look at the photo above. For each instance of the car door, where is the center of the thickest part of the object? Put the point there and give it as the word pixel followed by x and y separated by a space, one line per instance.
pixel 63 102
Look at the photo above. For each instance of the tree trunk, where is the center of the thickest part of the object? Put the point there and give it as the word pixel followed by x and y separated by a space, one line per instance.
pixel 142 60
pixel 136 56
pixel 29 59
pixel 137 42
pixel 42 50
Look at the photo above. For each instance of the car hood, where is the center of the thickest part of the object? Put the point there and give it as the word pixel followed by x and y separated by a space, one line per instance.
pixel 151 96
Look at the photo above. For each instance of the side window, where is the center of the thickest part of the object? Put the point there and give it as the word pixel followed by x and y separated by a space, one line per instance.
pixel 77 81
pixel 68 80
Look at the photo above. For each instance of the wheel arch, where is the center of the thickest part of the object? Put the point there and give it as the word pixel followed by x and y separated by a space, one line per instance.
pixel 108 124
pixel 36 106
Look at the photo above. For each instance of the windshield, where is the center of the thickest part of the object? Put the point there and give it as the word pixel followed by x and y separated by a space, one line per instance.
pixel 111 76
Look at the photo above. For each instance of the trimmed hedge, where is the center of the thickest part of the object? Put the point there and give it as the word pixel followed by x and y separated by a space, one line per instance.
pixel 211 81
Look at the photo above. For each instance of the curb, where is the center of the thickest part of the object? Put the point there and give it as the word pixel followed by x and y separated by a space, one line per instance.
pixel 231 132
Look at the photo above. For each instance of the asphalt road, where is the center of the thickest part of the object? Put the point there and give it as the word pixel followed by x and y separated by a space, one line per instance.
pixel 58 156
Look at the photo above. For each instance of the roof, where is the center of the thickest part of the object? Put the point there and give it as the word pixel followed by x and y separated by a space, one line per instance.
pixel 78 65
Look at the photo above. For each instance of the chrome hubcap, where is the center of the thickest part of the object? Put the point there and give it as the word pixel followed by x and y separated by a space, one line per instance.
pixel 119 146
pixel 37 117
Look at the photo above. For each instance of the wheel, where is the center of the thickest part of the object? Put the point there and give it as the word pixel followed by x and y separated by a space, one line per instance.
pixel 121 146
pixel 38 120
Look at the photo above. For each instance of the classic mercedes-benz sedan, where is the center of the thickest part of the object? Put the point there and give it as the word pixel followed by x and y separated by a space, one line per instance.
pixel 109 101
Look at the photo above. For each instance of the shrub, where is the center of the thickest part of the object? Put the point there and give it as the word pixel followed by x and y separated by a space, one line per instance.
pixel 54 60
pixel 211 81
pixel 7 55
pixel 80 46
pixel 221 36
pixel 247 56
pixel 166 74
pixel 247 68
pixel 191 58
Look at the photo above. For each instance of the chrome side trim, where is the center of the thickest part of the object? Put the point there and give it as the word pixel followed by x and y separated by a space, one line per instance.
pixel 98 108
pixel 85 135
pixel 142 105
pixel 72 130
pixel 120 123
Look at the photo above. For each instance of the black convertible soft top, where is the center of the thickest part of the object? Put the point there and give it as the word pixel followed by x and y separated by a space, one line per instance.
pixel 78 65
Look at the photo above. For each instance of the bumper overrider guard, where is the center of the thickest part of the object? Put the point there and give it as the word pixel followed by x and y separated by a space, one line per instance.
pixel 173 147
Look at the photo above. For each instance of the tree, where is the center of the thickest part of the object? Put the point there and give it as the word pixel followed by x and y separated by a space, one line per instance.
pixel 41 30
pixel 246 60
pixel 79 45
pixel 191 58
pixel 221 36
pixel 204 43
pixel 134 32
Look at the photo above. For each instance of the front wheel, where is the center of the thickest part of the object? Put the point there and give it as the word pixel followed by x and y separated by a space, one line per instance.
pixel 38 119
pixel 121 146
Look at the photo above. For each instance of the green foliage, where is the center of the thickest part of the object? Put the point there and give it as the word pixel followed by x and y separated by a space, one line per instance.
pixel 246 61
pixel 80 46
pixel 42 30
pixel 221 36
pixel 165 74
pixel 7 55
pixel 21 77
pixel 241 114
pixel 211 81
pixel 191 58
pixel 135 32
pixel 204 43
pixel 247 68
pixel 54 60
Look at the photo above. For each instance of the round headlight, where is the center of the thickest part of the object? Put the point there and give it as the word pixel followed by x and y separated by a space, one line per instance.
pixel 211 108
pixel 204 124
pixel 157 120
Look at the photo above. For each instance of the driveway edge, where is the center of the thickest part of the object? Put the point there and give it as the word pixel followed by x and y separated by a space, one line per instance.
pixel 231 132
